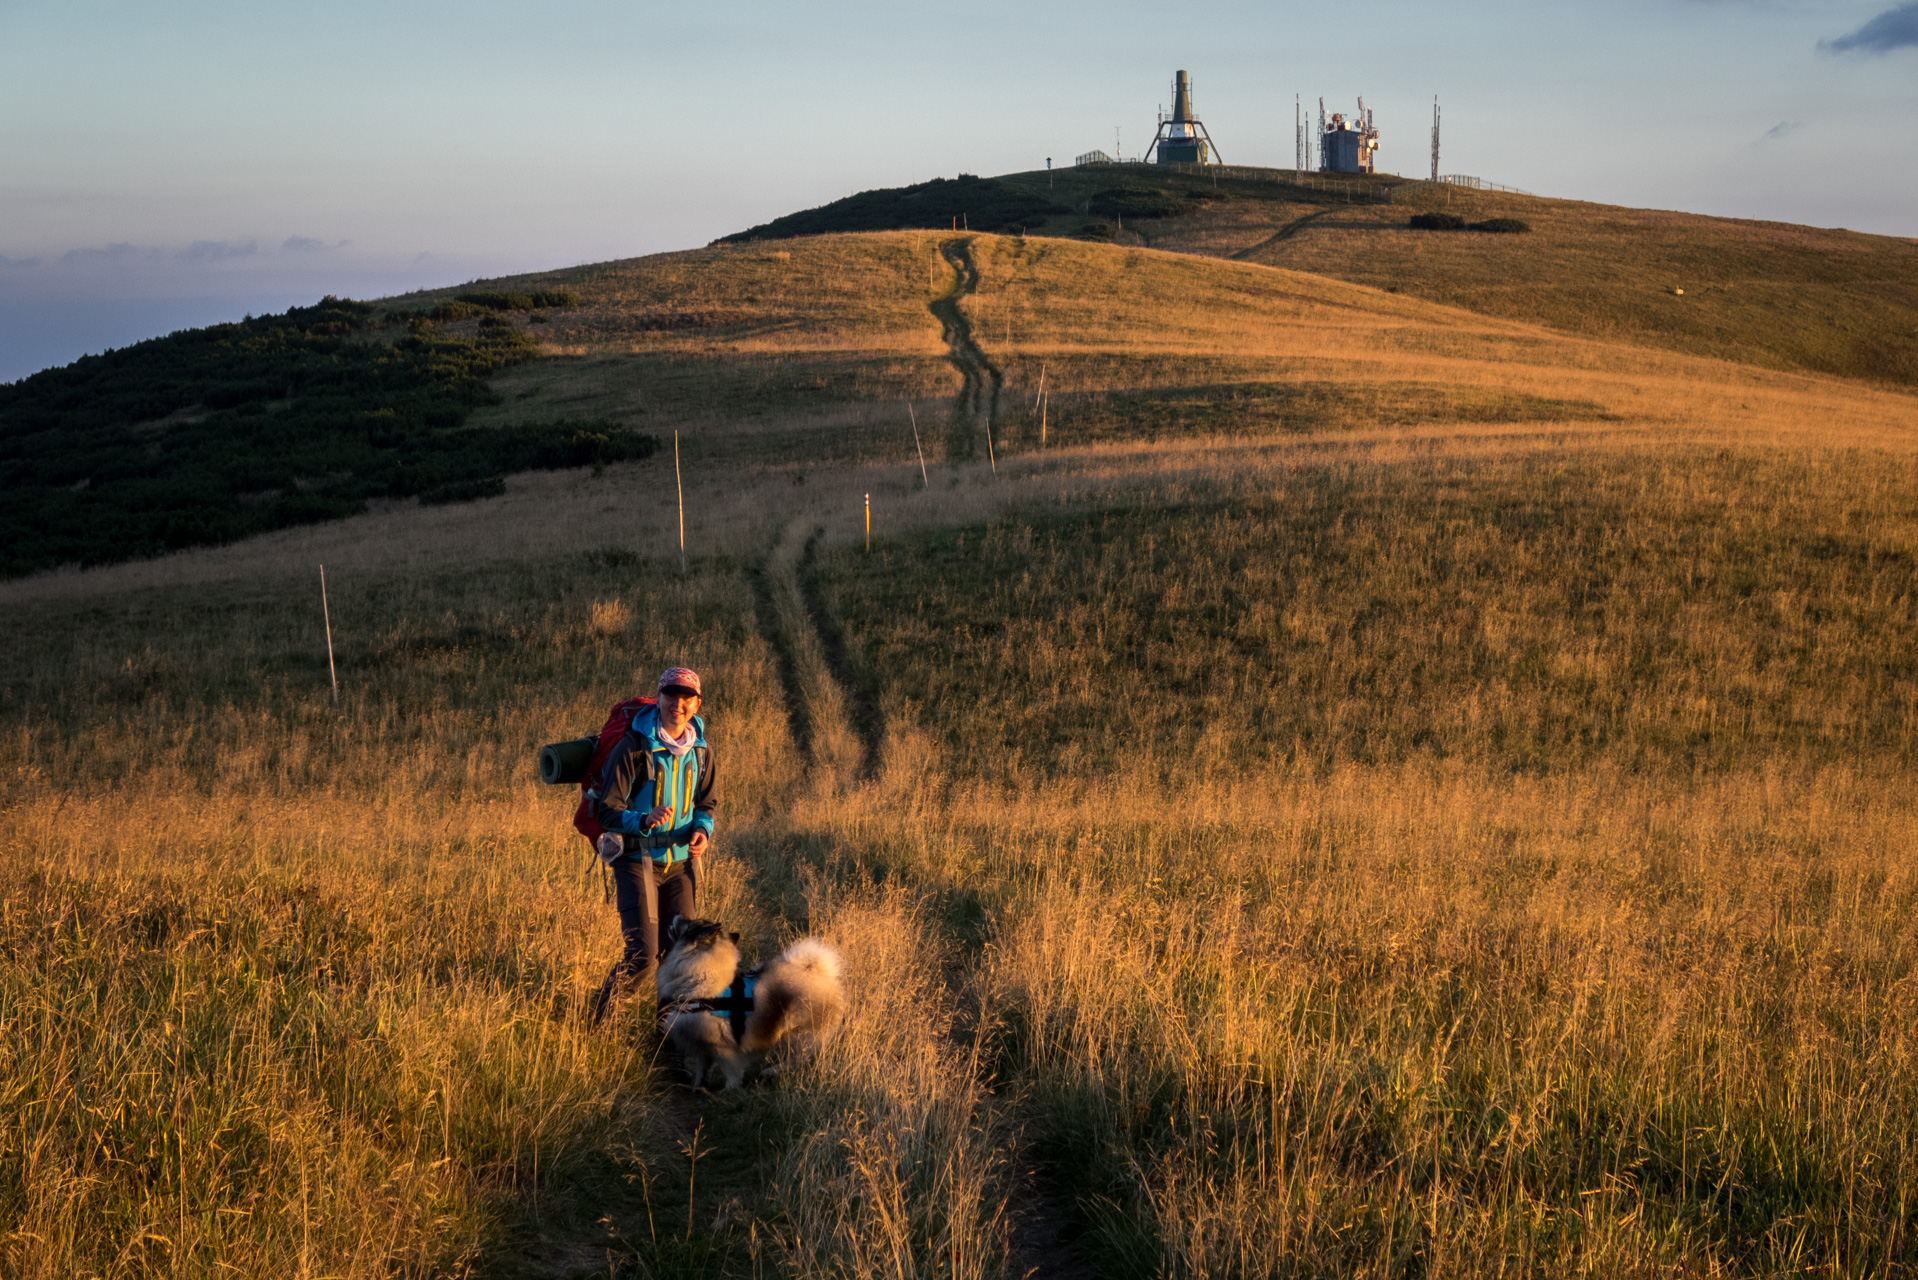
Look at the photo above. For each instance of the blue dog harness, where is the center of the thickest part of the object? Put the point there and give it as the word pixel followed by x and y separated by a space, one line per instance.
pixel 734 1004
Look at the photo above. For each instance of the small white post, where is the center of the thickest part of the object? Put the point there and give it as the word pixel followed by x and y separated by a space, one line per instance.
pixel 869 522
pixel 326 612
pixel 921 448
pixel 680 485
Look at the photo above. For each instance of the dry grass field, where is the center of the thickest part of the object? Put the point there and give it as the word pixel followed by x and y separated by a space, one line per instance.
pixel 1776 294
pixel 1380 791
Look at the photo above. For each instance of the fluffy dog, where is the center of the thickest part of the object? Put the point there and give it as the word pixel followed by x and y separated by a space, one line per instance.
pixel 702 996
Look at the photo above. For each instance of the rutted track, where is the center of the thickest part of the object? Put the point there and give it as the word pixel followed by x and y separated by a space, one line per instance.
pixel 1285 232
pixel 834 718
pixel 978 402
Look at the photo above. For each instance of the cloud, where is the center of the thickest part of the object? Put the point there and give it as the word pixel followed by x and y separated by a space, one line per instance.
pixel 109 253
pixel 1783 128
pixel 218 250
pixel 1892 29
pixel 307 244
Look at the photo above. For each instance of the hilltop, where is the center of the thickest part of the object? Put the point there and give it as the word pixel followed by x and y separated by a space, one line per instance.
pixel 1773 294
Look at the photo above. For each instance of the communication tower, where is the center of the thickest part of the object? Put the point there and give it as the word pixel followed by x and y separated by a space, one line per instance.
pixel 1182 139
pixel 1347 146
pixel 1435 137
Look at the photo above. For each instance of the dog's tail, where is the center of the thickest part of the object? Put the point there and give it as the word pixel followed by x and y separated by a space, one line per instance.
pixel 797 994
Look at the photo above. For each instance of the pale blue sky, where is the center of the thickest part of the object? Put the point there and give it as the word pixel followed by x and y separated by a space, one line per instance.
pixel 169 164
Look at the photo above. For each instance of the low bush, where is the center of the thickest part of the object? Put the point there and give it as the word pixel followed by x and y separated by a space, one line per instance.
pixel 522 301
pixel 1510 226
pixel 1142 202
pixel 1100 231
pixel 1437 222
pixel 464 491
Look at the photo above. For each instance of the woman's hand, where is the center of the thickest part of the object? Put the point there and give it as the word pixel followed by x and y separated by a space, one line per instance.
pixel 697 845
pixel 659 815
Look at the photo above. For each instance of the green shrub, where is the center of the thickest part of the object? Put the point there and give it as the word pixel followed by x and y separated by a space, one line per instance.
pixel 1510 226
pixel 1101 231
pixel 1141 202
pixel 464 491
pixel 521 301
pixel 1437 222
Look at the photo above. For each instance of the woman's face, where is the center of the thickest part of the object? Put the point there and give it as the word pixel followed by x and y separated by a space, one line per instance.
pixel 676 710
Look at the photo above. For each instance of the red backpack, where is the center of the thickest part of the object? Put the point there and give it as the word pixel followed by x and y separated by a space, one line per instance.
pixel 618 721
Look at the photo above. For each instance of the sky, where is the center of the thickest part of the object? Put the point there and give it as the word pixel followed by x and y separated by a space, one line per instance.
pixel 171 165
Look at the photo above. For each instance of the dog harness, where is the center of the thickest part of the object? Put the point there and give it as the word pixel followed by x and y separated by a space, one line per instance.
pixel 733 1004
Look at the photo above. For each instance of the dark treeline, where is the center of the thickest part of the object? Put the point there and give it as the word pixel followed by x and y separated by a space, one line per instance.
pixel 979 204
pixel 209 435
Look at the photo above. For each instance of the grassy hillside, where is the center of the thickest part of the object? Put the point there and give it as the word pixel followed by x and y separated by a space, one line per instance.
pixel 1338 785
pixel 1773 294
pixel 801 349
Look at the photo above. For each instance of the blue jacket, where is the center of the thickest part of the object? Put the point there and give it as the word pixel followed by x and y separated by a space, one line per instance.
pixel 641 774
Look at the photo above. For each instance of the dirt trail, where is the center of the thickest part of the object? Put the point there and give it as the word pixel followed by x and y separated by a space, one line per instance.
pixel 978 401
pixel 1285 232
pixel 868 721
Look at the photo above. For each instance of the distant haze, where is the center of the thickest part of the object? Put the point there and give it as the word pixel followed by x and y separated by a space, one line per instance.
pixel 164 166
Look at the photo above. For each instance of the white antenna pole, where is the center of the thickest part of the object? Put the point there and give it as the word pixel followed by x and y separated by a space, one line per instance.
pixel 680 485
pixel 916 445
pixel 326 612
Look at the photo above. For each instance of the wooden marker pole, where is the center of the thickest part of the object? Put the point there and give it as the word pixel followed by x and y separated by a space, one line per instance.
pixel 869 522
pixel 916 445
pixel 326 612
pixel 1042 404
pixel 680 485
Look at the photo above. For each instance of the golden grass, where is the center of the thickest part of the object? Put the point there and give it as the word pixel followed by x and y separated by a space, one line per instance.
pixel 1457 988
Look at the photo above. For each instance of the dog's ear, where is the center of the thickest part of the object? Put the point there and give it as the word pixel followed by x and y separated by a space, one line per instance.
pixel 673 929
pixel 734 937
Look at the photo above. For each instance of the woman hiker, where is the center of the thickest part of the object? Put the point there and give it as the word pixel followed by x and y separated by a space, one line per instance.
pixel 655 796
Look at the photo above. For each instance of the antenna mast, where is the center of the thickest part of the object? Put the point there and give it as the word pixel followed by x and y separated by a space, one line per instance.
pixel 1435 136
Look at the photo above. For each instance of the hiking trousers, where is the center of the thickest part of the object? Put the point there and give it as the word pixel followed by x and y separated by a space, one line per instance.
pixel 648 897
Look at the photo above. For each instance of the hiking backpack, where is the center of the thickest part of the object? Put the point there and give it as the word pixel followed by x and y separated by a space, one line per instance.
pixel 618 721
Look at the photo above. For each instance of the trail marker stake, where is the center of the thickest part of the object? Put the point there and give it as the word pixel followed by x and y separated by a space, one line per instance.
pixel 1042 404
pixel 916 445
pixel 326 612
pixel 869 522
pixel 680 485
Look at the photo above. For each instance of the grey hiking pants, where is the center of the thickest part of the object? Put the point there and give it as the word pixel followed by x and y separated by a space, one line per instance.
pixel 649 899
